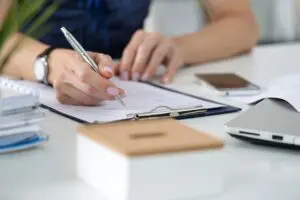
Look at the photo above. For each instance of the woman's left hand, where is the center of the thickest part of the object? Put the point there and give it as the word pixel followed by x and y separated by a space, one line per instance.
pixel 145 53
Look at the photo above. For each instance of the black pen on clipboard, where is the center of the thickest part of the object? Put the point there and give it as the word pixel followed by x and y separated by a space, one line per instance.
pixel 79 49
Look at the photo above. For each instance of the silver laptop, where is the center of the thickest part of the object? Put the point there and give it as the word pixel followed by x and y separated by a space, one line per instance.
pixel 270 122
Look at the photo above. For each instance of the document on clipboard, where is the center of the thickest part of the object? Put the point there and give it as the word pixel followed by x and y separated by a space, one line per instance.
pixel 143 101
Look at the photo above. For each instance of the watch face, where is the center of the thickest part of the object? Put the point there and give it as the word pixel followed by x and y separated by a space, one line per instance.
pixel 39 70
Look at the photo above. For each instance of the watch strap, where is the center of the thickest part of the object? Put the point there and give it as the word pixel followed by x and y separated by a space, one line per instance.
pixel 45 54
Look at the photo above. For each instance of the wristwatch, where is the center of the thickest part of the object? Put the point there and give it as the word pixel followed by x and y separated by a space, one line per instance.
pixel 41 66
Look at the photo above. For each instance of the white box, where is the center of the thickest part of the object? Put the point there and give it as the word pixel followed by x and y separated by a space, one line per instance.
pixel 124 172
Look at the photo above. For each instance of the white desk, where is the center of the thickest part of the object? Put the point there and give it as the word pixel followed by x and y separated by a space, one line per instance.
pixel 250 172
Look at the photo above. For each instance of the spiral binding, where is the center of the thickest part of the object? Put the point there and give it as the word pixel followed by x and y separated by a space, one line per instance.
pixel 13 84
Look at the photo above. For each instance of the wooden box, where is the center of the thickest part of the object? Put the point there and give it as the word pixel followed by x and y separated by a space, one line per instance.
pixel 147 160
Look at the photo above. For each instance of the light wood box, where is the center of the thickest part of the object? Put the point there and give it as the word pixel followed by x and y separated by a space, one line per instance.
pixel 147 160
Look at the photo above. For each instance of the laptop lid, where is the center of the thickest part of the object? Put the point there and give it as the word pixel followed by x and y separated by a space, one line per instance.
pixel 266 120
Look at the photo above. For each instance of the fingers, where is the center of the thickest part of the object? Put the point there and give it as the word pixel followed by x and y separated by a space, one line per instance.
pixel 129 54
pixel 118 69
pixel 65 99
pixel 98 93
pixel 173 64
pixel 85 90
pixel 75 81
pixel 101 87
pixel 67 94
pixel 143 55
pixel 85 75
pixel 105 64
pixel 78 93
pixel 157 58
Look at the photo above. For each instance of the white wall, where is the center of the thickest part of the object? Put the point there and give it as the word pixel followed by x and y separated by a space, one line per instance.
pixel 174 17
pixel 275 18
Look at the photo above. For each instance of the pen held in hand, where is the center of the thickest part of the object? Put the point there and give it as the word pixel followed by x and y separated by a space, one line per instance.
pixel 79 49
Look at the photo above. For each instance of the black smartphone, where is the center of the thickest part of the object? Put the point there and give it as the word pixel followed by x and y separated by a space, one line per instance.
pixel 230 84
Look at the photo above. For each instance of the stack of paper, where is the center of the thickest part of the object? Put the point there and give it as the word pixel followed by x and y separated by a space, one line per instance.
pixel 19 123
pixel 285 88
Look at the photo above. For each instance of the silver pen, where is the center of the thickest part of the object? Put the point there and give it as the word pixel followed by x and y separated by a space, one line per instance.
pixel 79 49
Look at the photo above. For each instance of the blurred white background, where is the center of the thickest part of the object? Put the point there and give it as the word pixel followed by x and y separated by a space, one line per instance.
pixel 279 20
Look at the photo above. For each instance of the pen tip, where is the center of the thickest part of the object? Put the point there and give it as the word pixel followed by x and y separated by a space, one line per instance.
pixel 120 101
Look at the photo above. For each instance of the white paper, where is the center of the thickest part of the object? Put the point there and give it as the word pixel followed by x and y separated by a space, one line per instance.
pixel 18 102
pixel 21 119
pixel 286 88
pixel 20 130
pixel 140 98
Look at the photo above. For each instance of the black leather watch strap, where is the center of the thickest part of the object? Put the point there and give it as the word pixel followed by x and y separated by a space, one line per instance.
pixel 44 56
pixel 46 52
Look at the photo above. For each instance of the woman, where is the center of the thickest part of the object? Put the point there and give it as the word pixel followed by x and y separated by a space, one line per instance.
pixel 114 27
pixel 231 29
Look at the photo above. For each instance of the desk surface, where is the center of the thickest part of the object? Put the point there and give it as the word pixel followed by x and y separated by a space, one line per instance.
pixel 251 172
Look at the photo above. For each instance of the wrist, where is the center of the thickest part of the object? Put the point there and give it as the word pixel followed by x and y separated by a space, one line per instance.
pixel 41 66
pixel 52 74
pixel 180 48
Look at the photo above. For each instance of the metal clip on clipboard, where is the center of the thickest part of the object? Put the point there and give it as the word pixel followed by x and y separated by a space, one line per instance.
pixel 167 112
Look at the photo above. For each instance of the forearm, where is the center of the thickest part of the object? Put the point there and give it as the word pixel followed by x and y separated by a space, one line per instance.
pixel 20 63
pixel 218 40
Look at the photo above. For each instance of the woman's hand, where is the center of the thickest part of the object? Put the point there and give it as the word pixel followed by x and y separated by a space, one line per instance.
pixel 145 53
pixel 76 83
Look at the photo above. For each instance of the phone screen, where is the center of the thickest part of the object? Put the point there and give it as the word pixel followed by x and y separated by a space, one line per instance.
pixel 226 81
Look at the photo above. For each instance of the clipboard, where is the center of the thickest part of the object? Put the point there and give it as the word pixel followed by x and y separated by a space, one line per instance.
pixel 162 111
pixel 165 112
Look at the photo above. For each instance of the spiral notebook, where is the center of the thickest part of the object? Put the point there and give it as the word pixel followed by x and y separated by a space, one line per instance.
pixel 143 101
pixel 20 116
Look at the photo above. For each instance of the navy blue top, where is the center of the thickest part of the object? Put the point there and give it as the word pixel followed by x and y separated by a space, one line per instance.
pixel 103 26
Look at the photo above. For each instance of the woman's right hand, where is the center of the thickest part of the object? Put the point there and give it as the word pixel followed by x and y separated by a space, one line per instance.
pixel 76 83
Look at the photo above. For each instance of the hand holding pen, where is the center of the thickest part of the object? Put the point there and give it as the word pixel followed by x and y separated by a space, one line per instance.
pixel 76 83
pixel 84 55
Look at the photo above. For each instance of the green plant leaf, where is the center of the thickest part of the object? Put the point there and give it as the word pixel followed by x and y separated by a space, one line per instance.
pixel 9 25
pixel 26 13
pixel 20 13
